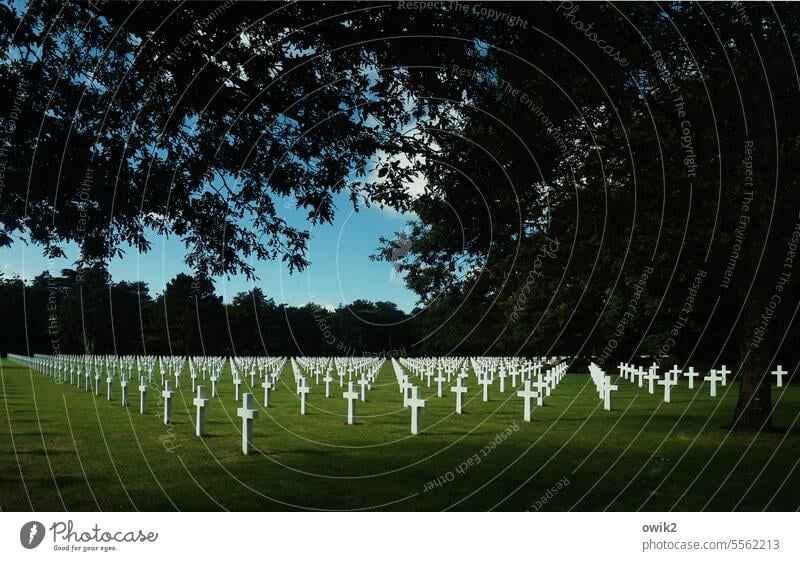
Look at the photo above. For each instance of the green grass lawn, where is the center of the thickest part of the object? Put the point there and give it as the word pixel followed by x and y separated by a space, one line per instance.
pixel 63 448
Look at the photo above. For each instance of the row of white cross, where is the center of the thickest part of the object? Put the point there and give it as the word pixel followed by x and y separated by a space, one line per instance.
pixel 485 375
pixel 536 383
pixel 671 377
pixel 637 375
pixel 73 369
pixel 365 369
pixel 602 382
pixel 269 370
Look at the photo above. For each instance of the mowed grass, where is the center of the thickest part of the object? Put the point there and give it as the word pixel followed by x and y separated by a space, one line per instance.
pixel 65 449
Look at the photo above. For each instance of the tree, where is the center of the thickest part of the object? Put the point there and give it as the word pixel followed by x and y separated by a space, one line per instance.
pixel 84 313
pixel 678 165
pixel 130 305
pixel 651 142
pixel 254 322
pixel 196 119
pixel 188 318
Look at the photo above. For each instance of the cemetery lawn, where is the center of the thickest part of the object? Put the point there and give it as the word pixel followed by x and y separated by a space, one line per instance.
pixel 65 449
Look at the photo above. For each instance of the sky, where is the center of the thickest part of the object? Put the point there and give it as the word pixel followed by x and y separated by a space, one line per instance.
pixel 340 269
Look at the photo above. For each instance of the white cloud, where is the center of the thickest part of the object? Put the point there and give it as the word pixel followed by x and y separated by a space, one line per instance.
pixel 416 187
pixel 323 303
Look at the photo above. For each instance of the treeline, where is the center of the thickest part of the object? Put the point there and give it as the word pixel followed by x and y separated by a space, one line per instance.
pixel 87 312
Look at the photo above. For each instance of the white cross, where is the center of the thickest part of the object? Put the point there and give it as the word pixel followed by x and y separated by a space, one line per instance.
pixel 640 376
pixel 668 382
pixel 247 412
pixel 607 388
pixel 363 383
pixel 651 378
pixel 712 377
pixel 303 390
pixel 167 395
pixel 142 395
pixel 550 382
pixel 416 404
pixel 691 374
pixel 267 385
pixel 213 385
pixel 439 381
pixel 351 396
pixel 405 385
pixel 527 394
pixel 724 373
pixel 109 383
pixel 502 375
pixel 539 384
pixel 779 373
pixel 200 403
pixel 459 389
pixel 193 376
pixel 485 381
pixel 124 390
pixel 327 379
pixel 237 383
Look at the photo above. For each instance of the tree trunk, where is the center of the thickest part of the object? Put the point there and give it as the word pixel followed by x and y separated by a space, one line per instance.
pixel 760 326
pixel 754 407
pixel 762 259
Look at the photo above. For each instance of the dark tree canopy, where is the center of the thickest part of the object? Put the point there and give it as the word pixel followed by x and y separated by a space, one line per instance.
pixel 192 118
pixel 61 314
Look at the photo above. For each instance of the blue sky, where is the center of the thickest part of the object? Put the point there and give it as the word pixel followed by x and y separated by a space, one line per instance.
pixel 340 270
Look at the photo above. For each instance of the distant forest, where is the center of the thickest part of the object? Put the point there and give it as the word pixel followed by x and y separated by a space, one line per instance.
pixel 79 313
pixel 87 312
